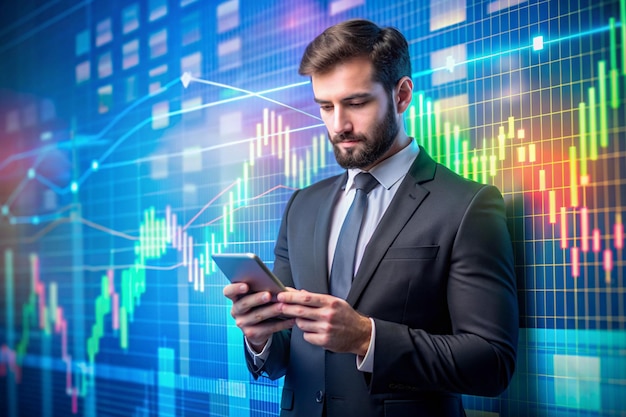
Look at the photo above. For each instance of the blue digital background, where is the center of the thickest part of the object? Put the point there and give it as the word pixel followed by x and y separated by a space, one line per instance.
pixel 139 137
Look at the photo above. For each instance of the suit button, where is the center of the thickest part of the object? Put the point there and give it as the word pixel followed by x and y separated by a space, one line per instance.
pixel 319 396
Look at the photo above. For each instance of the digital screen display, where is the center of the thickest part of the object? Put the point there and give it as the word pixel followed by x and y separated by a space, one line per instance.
pixel 138 138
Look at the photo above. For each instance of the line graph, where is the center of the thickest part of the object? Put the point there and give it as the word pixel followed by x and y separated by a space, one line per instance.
pixel 187 78
pixel 99 164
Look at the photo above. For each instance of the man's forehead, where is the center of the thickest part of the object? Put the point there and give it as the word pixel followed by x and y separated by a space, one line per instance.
pixel 344 83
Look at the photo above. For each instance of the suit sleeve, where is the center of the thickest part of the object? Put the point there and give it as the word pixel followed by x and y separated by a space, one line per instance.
pixel 275 365
pixel 478 357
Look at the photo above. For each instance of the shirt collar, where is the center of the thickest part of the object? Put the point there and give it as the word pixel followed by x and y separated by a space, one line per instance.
pixel 392 169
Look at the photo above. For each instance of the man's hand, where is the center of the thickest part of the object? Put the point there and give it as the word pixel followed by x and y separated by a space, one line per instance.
pixel 327 321
pixel 253 313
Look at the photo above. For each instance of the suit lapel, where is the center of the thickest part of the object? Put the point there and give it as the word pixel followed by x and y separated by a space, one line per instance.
pixel 319 283
pixel 408 198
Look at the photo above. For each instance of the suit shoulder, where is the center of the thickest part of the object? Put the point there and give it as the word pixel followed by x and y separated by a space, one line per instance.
pixel 463 190
pixel 432 175
pixel 445 174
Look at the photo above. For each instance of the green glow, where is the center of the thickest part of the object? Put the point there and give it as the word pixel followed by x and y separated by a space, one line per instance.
pixel 429 126
pixel 457 152
pixel 465 163
pixel 511 134
pixel 613 72
pixel 152 237
pixel 492 165
pixel 604 131
pixel 447 140
pixel 593 133
pixel 103 307
pixel 123 328
pixel 614 77
pixel 29 315
pixel 132 288
pixel 501 143
pixel 474 169
pixel 483 163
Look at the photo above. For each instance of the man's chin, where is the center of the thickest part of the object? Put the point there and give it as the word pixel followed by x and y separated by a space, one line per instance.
pixel 349 161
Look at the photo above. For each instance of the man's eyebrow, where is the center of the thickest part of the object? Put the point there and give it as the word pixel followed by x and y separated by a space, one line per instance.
pixel 348 98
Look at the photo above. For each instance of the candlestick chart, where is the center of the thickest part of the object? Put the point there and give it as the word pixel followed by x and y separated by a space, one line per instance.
pixel 169 131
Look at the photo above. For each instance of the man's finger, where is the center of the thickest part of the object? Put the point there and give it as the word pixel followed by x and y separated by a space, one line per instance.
pixel 233 291
pixel 251 301
pixel 301 297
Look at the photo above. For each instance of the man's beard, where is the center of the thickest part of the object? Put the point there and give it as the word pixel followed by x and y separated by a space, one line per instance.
pixel 375 146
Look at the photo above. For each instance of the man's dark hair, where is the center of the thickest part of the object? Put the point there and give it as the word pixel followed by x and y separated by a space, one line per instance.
pixel 386 48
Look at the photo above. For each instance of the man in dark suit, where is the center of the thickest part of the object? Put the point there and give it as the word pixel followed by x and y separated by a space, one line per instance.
pixel 431 311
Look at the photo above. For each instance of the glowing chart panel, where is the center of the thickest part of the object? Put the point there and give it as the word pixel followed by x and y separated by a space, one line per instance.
pixel 140 137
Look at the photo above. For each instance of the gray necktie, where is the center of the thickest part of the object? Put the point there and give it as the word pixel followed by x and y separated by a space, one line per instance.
pixel 342 270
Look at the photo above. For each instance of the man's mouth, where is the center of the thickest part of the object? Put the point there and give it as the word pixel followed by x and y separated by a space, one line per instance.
pixel 346 140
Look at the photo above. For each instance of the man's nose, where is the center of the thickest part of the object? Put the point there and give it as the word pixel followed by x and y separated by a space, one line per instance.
pixel 341 122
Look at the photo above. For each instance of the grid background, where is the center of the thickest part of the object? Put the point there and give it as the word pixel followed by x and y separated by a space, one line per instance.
pixel 114 168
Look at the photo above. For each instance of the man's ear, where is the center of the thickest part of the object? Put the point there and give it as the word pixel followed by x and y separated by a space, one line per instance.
pixel 404 94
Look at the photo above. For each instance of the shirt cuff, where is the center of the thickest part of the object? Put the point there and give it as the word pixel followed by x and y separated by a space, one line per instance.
pixel 366 363
pixel 259 358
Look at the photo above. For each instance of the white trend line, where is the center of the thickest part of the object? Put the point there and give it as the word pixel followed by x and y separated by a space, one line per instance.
pixel 187 78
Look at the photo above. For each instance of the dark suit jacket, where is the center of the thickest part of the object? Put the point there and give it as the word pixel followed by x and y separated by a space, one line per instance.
pixel 438 279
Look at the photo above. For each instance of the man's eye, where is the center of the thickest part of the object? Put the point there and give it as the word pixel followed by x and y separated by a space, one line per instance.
pixel 357 104
pixel 326 108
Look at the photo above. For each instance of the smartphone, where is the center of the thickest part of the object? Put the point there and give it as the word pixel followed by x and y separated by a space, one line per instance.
pixel 248 268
